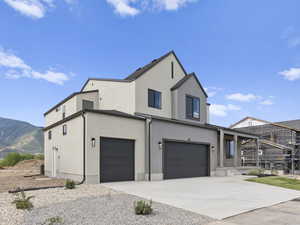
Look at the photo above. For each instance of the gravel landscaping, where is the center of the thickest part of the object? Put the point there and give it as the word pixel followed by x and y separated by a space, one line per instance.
pixel 91 204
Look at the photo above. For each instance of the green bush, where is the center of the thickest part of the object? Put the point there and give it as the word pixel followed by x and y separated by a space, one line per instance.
pixel 13 158
pixel 70 184
pixel 23 202
pixel 142 207
pixel 256 172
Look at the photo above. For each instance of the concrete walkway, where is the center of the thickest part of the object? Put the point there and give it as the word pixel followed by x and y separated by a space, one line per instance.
pixel 216 197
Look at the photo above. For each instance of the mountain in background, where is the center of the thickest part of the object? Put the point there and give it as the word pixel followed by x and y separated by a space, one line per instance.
pixel 19 136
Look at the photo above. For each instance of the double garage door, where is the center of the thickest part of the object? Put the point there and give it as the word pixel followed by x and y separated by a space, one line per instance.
pixel 180 160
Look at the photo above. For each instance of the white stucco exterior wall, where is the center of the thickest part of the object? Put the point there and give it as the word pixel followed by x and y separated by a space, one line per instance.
pixel 69 156
pixel 158 78
pixel 114 95
pixel 100 125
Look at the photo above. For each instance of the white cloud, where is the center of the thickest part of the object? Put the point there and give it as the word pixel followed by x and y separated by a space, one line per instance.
pixel 9 60
pixel 134 7
pixel 291 74
pixel 266 102
pixel 212 91
pixel 17 68
pixel 242 97
pixel 222 110
pixel 172 4
pixel 123 7
pixel 32 8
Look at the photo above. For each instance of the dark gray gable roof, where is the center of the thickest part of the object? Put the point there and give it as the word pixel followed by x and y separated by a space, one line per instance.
pixel 67 98
pixel 140 71
pixel 184 79
pixel 291 123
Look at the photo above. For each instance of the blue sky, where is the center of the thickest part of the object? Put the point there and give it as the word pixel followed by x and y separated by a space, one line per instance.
pixel 246 53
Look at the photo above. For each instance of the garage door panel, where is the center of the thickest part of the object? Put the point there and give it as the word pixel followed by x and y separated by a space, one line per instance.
pixel 116 160
pixel 183 160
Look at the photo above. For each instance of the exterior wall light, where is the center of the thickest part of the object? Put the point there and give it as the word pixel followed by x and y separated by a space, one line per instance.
pixel 212 147
pixel 160 145
pixel 93 140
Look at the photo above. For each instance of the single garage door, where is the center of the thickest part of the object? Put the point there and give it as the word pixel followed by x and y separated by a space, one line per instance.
pixel 116 159
pixel 183 160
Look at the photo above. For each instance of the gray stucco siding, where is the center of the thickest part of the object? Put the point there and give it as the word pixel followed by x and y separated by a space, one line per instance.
pixel 191 88
pixel 161 130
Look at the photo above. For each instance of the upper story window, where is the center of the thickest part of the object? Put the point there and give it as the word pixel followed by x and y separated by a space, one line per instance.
pixel 154 99
pixel 87 104
pixel 64 112
pixel 229 147
pixel 192 107
pixel 64 129
pixel 49 135
pixel 172 70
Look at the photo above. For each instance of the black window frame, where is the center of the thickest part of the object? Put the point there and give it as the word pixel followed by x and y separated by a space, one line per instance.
pixel 154 105
pixel 64 129
pixel 49 135
pixel 89 102
pixel 172 70
pixel 229 152
pixel 191 115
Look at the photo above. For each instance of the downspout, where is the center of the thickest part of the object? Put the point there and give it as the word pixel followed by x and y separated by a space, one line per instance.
pixel 84 123
pixel 149 149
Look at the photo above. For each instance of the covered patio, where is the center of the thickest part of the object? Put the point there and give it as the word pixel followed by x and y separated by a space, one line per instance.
pixel 230 156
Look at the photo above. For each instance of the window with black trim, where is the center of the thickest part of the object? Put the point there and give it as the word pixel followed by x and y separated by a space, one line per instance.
pixel 192 107
pixel 229 148
pixel 154 99
pixel 87 104
pixel 172 70
pixel 64 112
pixel 49 135
pixel 64 129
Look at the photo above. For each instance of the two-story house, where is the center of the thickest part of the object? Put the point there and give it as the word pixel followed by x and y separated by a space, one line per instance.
pixel 152 125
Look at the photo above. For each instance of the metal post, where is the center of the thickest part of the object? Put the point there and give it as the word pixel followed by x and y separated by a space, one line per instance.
pixel 257 148
pixel 235 150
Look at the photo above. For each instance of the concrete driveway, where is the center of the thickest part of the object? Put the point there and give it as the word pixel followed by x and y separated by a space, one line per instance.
pixel 216 197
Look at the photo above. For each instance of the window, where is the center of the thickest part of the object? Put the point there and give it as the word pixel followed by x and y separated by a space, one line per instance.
pixel 57 109
pixel 87 104
pixel 172 70
pixel 64 112
pixel 192 107
pixel 229 149
pixel 64 129
pixel 154 99
pixel 49 135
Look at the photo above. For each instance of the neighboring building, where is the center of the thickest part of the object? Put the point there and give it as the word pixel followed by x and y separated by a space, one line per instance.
pixel 249 122
pixel 279 143
pixel 152 125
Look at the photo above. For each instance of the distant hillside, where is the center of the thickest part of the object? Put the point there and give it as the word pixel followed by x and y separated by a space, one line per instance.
pixel 19 136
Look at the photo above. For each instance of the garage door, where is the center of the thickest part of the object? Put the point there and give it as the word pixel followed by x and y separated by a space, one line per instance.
pixel 182 160
pixel 116 159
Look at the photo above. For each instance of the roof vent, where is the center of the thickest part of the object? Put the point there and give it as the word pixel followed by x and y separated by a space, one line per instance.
pixel 154 60
pixel 139 68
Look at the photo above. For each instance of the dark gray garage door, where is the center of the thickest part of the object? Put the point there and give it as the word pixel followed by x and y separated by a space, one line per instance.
pixel 182 160
pixel 116 159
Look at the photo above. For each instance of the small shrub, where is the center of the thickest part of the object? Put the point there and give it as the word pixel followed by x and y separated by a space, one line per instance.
pixel 53 221
pixel 70 184
pixel 23 202
pixel 142 207
pixel 256 172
